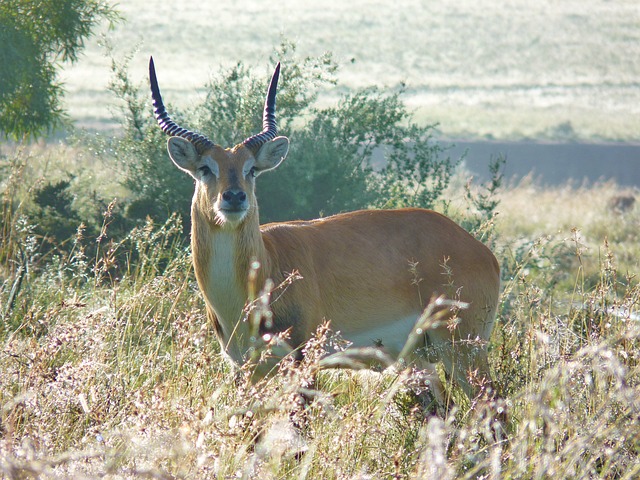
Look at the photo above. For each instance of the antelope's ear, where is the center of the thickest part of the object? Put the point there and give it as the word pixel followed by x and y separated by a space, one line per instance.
pixel 271 154
pixel 183 154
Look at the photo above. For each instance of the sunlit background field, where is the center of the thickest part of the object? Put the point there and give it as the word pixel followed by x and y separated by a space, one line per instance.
pixel 488 69
pixel 108 366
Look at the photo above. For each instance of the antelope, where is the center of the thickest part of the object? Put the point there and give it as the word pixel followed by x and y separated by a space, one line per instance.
pixel 370 273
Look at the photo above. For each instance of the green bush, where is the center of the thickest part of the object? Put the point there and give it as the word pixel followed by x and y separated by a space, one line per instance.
pixel 53 212
pixel 363 153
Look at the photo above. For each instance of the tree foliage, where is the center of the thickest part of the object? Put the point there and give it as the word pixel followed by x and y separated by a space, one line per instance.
pixel 35 37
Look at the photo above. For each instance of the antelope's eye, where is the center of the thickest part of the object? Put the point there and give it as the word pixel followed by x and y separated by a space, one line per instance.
pixel 252 172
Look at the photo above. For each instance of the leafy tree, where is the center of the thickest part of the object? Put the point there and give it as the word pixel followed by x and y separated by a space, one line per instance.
pixel 35 36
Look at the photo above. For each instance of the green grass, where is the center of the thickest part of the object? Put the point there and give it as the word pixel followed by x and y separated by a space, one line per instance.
pixel 111 371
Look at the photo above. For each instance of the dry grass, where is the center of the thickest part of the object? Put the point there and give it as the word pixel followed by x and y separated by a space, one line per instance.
pixel 119 376
pixel 581 219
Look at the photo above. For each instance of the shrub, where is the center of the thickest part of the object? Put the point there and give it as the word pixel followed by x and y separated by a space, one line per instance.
pixel 365 152
pixel 53 212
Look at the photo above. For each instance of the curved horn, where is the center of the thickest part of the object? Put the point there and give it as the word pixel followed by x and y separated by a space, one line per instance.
pixel 167 125
pixel 269 127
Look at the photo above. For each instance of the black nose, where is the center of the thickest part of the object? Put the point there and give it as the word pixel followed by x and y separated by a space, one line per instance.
pixel 234 198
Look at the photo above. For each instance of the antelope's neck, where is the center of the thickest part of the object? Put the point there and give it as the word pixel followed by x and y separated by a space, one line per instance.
pixel 222 257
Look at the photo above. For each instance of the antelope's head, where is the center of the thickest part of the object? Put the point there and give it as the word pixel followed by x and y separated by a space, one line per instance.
pixel 225 177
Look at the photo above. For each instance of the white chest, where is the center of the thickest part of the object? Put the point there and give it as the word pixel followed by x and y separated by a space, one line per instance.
pixel 225 293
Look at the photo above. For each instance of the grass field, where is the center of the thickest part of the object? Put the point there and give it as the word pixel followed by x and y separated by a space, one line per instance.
pixel 485 69
pixel 121 377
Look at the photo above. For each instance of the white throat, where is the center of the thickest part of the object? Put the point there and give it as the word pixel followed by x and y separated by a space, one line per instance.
pixel 225 293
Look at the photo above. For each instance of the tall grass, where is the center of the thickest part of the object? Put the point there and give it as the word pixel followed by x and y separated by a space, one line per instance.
pixel 109 369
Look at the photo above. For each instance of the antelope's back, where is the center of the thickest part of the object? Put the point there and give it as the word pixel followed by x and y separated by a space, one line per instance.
pixel 372 272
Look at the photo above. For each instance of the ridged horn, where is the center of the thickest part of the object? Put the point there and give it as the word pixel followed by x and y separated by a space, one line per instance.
pixel 167 125
pixel 269 127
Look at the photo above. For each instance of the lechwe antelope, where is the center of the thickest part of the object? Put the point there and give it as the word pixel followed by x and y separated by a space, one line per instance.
pixel 370 273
